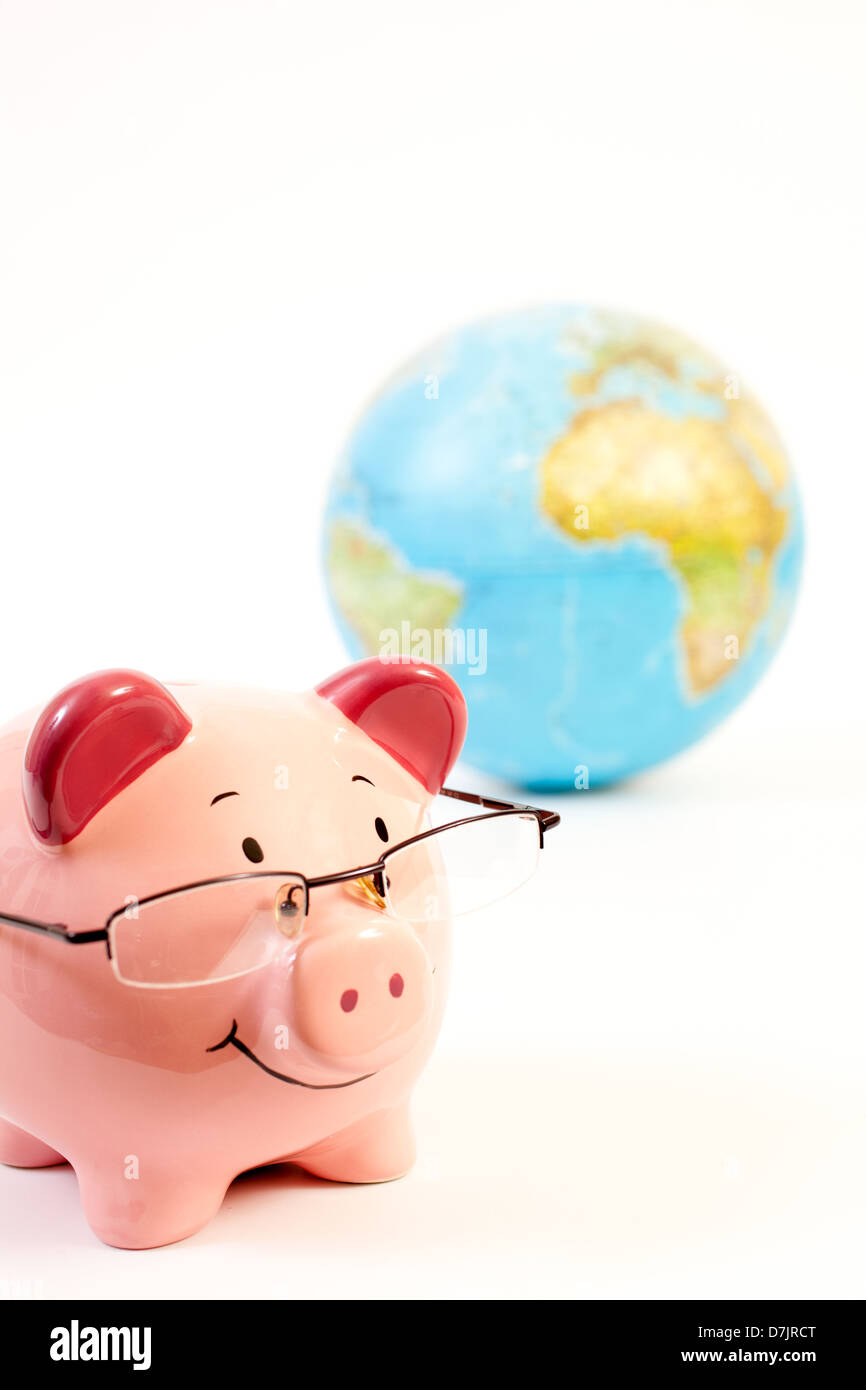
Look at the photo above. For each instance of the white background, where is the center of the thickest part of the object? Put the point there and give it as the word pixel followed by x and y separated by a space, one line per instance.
pixel 222 225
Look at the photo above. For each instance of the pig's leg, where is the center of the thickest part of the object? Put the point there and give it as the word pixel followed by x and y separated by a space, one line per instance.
pixel 376 1149
pixel 20 1150
pixel 135 1203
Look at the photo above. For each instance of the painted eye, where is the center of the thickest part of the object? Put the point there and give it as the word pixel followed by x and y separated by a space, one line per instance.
pixel 253 850
pixel 381 828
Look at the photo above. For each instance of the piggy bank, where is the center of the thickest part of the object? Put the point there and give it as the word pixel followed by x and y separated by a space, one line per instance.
pixel 204 965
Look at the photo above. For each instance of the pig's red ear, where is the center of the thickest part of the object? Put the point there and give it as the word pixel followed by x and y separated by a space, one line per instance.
pixel 90 742
pixel 415 712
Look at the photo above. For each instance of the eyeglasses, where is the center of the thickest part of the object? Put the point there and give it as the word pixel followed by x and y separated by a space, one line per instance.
pixel 221 928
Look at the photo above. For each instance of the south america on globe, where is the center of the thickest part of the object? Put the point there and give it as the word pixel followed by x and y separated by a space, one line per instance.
pixel 588 519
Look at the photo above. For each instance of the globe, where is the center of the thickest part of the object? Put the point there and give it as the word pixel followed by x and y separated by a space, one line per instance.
pixel 587 519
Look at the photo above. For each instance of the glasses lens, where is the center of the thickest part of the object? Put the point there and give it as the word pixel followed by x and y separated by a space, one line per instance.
pixel 462 868
pixel 214 932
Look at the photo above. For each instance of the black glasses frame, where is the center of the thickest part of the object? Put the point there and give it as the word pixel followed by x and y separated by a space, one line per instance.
pixel 60 932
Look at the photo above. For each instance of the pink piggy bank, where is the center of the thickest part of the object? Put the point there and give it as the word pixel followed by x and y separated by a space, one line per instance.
pixel 224 931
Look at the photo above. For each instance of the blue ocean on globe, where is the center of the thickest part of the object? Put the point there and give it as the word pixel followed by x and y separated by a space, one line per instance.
pixel 595 503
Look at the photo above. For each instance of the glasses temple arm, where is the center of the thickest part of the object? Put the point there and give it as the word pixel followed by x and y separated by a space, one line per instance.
pixel 548 819
pixel 55 929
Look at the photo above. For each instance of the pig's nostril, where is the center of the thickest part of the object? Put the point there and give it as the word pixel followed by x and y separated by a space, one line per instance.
pixel 396 986
pixel 348 1000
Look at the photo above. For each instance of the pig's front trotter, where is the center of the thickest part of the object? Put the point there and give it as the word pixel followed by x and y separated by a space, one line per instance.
pixel 136 1203
pixel 21 1150
pixel 376 1149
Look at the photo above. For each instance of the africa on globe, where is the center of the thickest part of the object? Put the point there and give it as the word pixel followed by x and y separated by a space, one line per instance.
pixel 587 519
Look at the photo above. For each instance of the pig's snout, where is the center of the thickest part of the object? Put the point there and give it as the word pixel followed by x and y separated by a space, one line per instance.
pixel 359 993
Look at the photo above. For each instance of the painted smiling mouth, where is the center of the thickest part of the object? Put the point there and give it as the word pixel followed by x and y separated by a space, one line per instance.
pixel 232 1039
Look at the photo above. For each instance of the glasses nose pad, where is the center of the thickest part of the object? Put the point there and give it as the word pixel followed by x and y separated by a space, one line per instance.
pixel 290 908
pixel 370 889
